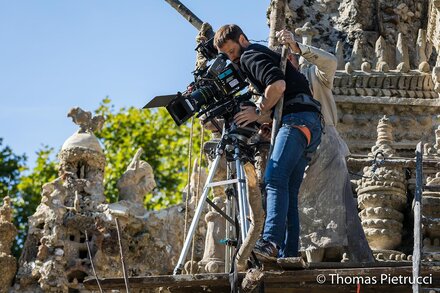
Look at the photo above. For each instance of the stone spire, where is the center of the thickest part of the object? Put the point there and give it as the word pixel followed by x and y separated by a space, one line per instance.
pixel 356 55
pixel 339 52
pixel 385 139
pixel 381 55
pixel 402 56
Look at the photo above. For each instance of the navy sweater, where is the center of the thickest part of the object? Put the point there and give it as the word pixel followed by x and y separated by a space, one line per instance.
pixel 261 67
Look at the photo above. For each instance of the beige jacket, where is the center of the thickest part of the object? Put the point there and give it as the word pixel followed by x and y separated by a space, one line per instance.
pixel 320 71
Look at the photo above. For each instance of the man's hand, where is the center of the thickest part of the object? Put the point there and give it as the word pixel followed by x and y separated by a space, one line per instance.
pixel 246 115
pixel 286 37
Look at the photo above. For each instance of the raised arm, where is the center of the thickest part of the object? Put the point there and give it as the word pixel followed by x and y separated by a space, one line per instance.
pixel 325 62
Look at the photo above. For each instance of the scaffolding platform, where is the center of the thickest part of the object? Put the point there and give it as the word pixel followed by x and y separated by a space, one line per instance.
pixel 313 277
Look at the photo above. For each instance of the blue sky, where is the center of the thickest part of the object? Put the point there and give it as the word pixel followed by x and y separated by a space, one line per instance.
pixel 57 54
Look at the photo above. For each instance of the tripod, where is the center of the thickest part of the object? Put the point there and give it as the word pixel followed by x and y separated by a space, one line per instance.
pixel 230 143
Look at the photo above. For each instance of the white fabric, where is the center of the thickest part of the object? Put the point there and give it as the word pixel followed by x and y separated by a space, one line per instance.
pixel 322 209
pixel 320 73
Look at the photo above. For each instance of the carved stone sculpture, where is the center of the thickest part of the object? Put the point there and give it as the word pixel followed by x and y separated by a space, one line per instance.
pixel 382 195
pixel 136 181
pixel 214 253
pixel 8 264
pixel 55 256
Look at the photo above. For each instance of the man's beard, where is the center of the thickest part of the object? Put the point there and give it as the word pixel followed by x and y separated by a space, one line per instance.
pixel 237 60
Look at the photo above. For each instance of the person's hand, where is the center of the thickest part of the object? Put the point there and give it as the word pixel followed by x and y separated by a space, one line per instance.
pixel 286 37
pixel 246 115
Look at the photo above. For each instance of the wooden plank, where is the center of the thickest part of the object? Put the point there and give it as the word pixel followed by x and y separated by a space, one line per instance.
pixel 161 281
pixel 292 263
pixel 348 265
pixel 286 279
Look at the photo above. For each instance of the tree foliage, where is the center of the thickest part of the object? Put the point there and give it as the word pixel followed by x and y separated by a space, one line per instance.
pixel 165 148
pixel 10 167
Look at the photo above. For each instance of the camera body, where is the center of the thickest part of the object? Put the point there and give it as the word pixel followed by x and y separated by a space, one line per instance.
pixel 215 85
pixel 213 94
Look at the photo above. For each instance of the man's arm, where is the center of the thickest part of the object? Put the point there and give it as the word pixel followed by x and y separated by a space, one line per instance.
pixel 325 62
pixel 272 95
pixel 263 69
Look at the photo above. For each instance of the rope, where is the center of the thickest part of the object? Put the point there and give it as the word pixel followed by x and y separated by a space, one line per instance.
pixel 188 183
pixel 202 134
pixel 91 262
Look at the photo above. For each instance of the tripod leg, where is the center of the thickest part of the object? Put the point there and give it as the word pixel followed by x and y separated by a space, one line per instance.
pixel 196 218
pixel 245 197
pixel 241 190
pixel 257 216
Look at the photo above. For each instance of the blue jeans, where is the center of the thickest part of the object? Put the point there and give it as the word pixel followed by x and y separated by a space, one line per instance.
pixel 283 177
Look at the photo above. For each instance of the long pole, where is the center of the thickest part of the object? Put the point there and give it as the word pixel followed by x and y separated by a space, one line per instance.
pixel 417 217
pixel 91 262
pixel 277 23
pixel 124 269
pixel 279 106
pixel 186 13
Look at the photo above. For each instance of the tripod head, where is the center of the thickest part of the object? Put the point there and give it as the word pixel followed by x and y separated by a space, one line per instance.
pixel 233 138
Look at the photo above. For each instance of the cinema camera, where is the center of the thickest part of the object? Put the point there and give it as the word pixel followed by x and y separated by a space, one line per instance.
pixel 213 94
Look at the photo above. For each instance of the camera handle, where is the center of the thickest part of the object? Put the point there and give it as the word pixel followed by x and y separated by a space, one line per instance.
pixel 243 205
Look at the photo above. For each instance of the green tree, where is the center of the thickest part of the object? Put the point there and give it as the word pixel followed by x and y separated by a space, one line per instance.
pixel 165 148
pixel 10 167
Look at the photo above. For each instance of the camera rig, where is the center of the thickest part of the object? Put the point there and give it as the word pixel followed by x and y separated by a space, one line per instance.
pixel 214 92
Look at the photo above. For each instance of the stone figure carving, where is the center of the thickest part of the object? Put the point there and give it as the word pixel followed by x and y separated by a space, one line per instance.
pixel 137 180
pixel 85 120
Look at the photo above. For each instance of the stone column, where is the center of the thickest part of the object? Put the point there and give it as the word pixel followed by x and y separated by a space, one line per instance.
pixel 214 255
pixel 8 263
pixel 382 196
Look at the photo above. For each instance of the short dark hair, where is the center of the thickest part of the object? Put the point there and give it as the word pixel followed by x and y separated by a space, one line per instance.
pixel 227 32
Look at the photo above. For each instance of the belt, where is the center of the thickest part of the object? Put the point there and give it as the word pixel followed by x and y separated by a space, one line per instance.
pixel 304 99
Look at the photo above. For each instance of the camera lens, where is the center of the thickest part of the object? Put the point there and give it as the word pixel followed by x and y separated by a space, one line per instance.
pixel 202 96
